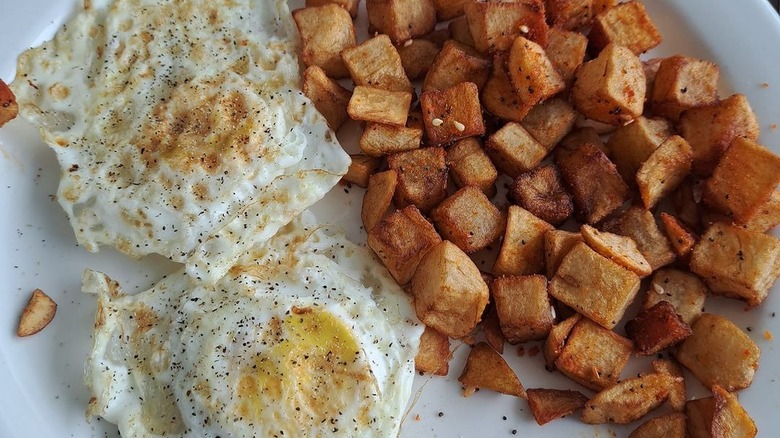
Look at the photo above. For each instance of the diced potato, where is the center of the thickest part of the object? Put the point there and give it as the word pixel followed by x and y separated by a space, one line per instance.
pixel 737 263
pixel 417 56
pixel 376 63
pixel 361 167
pixel 381 106
pixel 593 356
pixel 639 224
pixel 620 249
pixel 583 135
pixel 628 400
pixel 657 328
pixel 448 9
pixel 531 72
pixel 468 219
pixel 460 31
pixel 470 166
pixel 422 177
pixel 569 14
pixel 37 314
pixel 499 96
pixel 633 143
pixel 328 96
pixel 379 139
pixel 401 19
pixel 325 31
pixel 699 413
pixel 626 24
pixel 494 25
pixel 680 236
pixel 611 88
pixel 677 396
pixel 433 356
pixel 566 51
pixel 350 5
pixel 768 216
pixel 719 353
pixel 682 82
pixel 456 63
pixel 523 306
pixel 378 197
pixel 666 426
pixel 522 250
pixel 729 418
pixel 664 170
pixel 492 328
pixel 487 369
pixel 550 404
pixel 685 291
pixel 541 192
pixel 550 121
pixel 452 113
pixel 558 243
pixel 514 150
pixel 449 292
pixel 401 240
pixel 556 339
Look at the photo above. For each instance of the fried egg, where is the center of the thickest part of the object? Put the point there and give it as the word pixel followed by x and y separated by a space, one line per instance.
pixel 180 126
pixel 306 336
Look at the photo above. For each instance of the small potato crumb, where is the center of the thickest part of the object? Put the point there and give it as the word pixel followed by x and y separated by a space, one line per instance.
pixel 767 335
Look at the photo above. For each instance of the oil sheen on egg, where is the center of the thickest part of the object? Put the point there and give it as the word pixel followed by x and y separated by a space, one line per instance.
pixel 180 126
pixel 306 336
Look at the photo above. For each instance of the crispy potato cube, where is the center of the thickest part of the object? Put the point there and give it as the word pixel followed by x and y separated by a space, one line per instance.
pixel 743 180
pixel 737 263
pixel 468 219
pixel 449 292
pixel 666 426
pixel 633 143
pixel 566 51
pixel 379 139
pixel 523 306
pixel 550 404
pixel 620 249
pixel 657 328
pixel 452 113
pixel 401 240
pixel 485 368
pixel 593 356
pixel 682 82
pixel 569 14
pixel 639 224
pixel 711 129
pixel 593 285
pixel 470 166
pixel 422 177
pixel 376 63
pixel 677 392
pixel 685 291
pixel 456 63
pixel 460 31
pixel 9 108
pixel 583 135
pixel 719 352
pixel 417 56
pixel 542 193
pixel 522 250
pixel 531 72
pixel 350 5
pixel 679 235
pixel 626 24
pixel 729 418
pixel 378 197
pixel 325 31
pixel 492 327
pixel 593 181
pixel 768 216
pixel 628 400
pixel 499 96
pixel 37 314
pixel 361 167
pixel 514 150
pixel 433 356
pixel 664 170
pixel 556 339
pixel 448 9
pixel 328 96
pixel 550 121
pixel 401 19
pixel 611 88
pixel 381 106
pixel 699 413
pixel 494 25
pixel 558 243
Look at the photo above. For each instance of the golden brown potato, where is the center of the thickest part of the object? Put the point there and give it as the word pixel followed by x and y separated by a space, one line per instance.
pixel 487 369
pixel 558 243
pixel 626 24
pixel 569 14
pixel 656 328
pixel 513 150
pixel 456 63
pixel 401 19
pixel 361 167
pixel 556 339
pixel 664 170
pixel 699 414
pixel 541 192
pixel 633 143
pixel 729 418
pixel 468 219
pixel 677 396
pixel 685 291
pixel 581 135
pixel 350 5
pixel 325 31
pixel 531 72
pixel 417 56
pixel 9 109
pixel 380 106
pixel 768 216
pixel 469 165
pixel 522 250
pixel 550 121
pixel 550 404
pixel 37 314
pixel 494 25
pixel 460 32
pixel 628 400
pixel 682 82
pixel 376 63
pixel 666 426
pixel 620 249
pixel 566 51
pixel 523 307
pixel 679 235
pixel 499 96
pixel 328 96
pixel 378 197
pixel 379 139
pixel 639 224
pixel 452 113
pixel 433 356
pixel 422 177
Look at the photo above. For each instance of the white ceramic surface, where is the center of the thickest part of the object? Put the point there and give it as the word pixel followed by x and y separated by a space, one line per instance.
pixel 42 393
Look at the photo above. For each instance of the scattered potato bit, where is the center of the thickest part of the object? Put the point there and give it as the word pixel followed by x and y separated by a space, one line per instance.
pixel 468 219
pixel 657 328
pixel 458 109
pixel 699 413
pixel 569 14
pixel 583 135
pixel 448 290
pixel 677 395
pixel 628 400
pixel 349 5
pixel 379 139
pixel 9 109
pixel 448 9
pixel 401 19
pixel 719 353
pixel 422 177
pixel 619 249
pixel 550 121
pixel 401 240
pixel 523 307
pixel 593 356
pixel 664 170
pixel 558 243
pixel 37 314
pixel 541 192
pixel 531 72
pixel 626 24
pixel 566 51
pixel 325 31
pixel 376 63
pixel 729 418
pixel 680 236
pixel 633 143
pixel 460 32
pixel 433 356
pixel 490 324
pixel 639 224
pixel 522 250
pixel 737 263
pixel 666 426
pixel 514 150
pixel 485 368
pixel 378 197
pixel 494 25
pixel 456 63
pixel 682 82
pixel 768 216
pixel 711 129
pixel 685 291
pixel 550 404
pixel 556 339
pixel 610 88
pixel 469 165
pixel 417 57
pixel 744 180
pixel 498 95
pixel 328 96
pixel 361 167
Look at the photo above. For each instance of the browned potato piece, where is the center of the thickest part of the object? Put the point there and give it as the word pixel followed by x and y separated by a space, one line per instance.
pixel 417 56
pixel 448 9
pixel 422 177
pixel 376 63
pixel 449 292
pixel 380 139
pixel 361 167
pixel 456 63
pixel 737 263
pixel 743 180
pixel 556 339
pixel 639 224
pixel 350 5
pixel 487 369
pixel 328 96
pixel 492 327
pixel 494 25
pixel 682 82
pixel 550 404
pixel 523 306
pixel 620 249
pixel 569 14
pixel 656 328
pixel 729 418
pixel 628 400
pixel 9 109
pixel 499 96
pixel 558 243
pixel 583 135
pixel 633 143
pixel 566 51
pixel 593 356
pixel 685 291
pixel 513 149
pixel 401 19
pixel 459 30
pixel 677 396
pixel 666 426
pixel 531 72
pixel 541 192
pixel 550 121
pixel 325 31
pixel 711 129
pixel 37 314
pixel 600 6
pixel 378 197
pixel 593 285
pixel 433 356
pixel 452 113
pixel 610 88
pixel 699 414
pixel 468 219
pixel 626 24
pixel 719 353
pixel 401 240
pixel 768 216
pixel 593 181
pixel 470 166
pixel 686 202
pixel 664 170
pixel 522 250
pixel 414 119
pixel 381 106
pixel 680 236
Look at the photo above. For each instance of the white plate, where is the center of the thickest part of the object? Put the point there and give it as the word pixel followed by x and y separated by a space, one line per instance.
pixel 42 393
